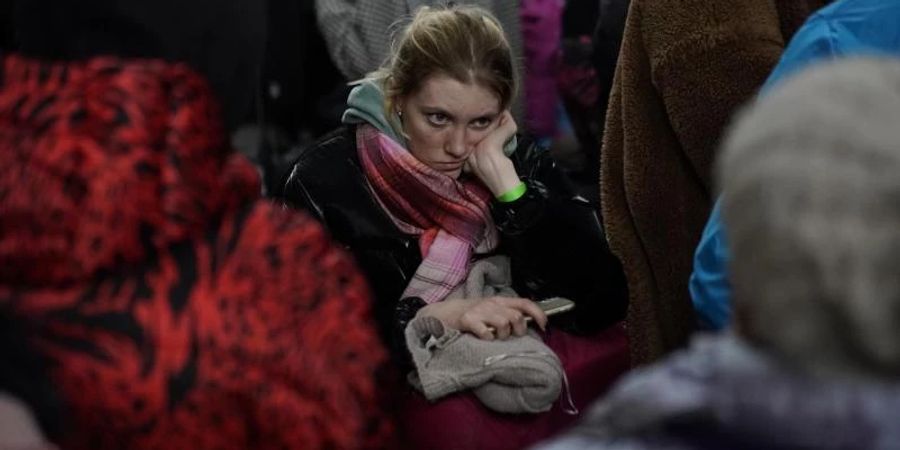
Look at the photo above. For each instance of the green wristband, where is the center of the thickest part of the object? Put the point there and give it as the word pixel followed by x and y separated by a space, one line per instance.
pixel 512 194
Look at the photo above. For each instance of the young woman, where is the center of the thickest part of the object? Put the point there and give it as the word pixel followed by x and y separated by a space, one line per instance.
pixel 428 176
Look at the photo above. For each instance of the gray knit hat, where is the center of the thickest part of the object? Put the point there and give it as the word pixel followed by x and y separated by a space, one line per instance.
pixel 810 177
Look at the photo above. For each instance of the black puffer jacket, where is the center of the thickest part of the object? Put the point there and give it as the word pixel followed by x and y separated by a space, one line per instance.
pixel 553 238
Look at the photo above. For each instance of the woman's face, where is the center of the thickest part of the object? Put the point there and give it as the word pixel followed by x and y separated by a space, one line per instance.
pixel 445 119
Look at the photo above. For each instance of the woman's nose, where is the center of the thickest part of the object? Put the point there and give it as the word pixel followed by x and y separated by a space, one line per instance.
pixel 458 145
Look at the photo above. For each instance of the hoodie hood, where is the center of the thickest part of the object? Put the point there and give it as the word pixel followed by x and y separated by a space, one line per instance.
pixel 104 161
pixel 365 104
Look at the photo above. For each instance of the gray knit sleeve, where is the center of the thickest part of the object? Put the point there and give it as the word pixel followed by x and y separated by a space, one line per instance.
pixel 358 32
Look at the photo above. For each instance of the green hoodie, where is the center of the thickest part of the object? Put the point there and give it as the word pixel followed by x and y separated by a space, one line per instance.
pixel 365 104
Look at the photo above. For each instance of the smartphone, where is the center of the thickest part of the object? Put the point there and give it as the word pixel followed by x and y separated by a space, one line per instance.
pixel 556 305
pixel 550 306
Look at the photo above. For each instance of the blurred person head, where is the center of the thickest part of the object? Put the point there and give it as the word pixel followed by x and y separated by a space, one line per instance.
pixel 449 78
pixel 811 200
pixel 115 170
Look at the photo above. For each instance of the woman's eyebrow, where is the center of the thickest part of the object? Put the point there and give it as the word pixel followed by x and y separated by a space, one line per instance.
pixel 488 115
pixel 427 109
pixel 436 109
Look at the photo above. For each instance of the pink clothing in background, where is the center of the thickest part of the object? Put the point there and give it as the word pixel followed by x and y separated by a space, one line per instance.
pixel 541 22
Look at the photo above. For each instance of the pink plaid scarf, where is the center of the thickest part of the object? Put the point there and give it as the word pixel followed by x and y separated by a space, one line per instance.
pixel 452 218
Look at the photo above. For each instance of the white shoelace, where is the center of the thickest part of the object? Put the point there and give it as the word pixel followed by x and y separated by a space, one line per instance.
pixel 568 407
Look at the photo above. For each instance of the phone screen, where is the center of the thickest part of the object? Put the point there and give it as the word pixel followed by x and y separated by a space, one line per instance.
pixel 556 305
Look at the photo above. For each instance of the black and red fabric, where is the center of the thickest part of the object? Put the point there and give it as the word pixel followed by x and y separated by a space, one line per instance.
pixel 178 311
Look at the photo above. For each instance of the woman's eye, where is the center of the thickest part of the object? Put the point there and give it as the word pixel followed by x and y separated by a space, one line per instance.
pixel 482 123
pixel 437 118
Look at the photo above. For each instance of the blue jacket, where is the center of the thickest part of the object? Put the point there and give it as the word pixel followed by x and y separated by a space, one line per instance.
pixel 846 27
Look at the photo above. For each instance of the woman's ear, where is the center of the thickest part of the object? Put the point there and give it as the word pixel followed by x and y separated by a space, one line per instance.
pixel 397 105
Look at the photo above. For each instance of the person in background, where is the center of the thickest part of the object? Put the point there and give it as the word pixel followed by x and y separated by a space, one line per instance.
pixel 847 27
pixel 427 179
pixel 541 24
pixel 684 67
pixel 605 44
pixel 359 32
pixel 809 190
pixel 576 81
pixel 175 309
pixel 299 96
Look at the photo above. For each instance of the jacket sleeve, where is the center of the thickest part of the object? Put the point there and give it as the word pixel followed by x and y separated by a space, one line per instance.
pixel 709 286
pixel 707 59
pixel 814 42
pixel 557 246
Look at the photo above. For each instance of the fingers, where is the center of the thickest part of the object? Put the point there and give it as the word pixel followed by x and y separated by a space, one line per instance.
pixel 496 139
pixel 501 317
pixel 519 325
pixel 507 127
pixel 483 331
pixel 513 320
pixel 528 308
pixel 508 124
pixel 502 327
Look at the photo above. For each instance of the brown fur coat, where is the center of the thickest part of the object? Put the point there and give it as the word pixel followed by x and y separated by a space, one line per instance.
pixel 684 67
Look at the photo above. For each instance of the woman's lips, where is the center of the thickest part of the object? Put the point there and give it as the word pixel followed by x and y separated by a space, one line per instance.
pixel 449 166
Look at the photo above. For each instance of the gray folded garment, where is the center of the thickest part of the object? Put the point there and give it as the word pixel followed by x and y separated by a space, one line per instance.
pixel 488 277
pixel 516 375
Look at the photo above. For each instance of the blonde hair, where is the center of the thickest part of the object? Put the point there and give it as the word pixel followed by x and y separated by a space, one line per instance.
pixel 466 43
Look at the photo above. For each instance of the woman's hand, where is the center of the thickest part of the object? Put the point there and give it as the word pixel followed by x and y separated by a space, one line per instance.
pixel 489 318
pixel 488 162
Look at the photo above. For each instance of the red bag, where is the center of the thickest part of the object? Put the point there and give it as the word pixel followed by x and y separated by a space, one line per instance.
pixel 460 421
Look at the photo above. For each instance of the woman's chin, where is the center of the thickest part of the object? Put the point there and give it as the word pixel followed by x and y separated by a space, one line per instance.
pixel 450 172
